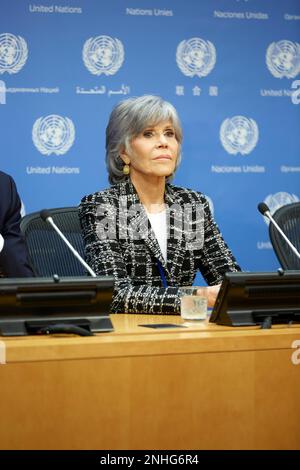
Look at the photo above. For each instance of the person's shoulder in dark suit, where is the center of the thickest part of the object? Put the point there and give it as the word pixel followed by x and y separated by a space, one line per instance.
pixel 13 257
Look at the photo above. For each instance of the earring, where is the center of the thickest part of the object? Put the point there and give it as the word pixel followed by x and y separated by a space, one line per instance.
pixel 126 169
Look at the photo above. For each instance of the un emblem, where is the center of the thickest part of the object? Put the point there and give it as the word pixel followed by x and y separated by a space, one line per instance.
pixel 53 134
pixel 277 200
pixel 103 54
pixel 239 135
pixel 196 57
pixel 283 59
pixel 13 53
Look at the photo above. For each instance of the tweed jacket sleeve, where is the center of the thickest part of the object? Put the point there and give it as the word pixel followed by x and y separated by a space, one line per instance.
pixel 112 248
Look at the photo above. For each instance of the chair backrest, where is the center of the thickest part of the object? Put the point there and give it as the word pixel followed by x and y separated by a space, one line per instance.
pixel 288 219
pixel 48 254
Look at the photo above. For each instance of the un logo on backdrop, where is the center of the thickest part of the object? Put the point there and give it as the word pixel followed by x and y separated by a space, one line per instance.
pixel 103 54
pixel 283 59
pixel 196 57
pixel 239 135
pixel 13 53
pixel 277 200
pixel 53 134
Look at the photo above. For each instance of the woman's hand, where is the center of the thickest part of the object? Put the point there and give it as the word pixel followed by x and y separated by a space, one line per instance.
pixel 210 293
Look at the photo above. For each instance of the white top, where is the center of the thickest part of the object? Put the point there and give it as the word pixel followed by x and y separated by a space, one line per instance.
pixel 1 242
pixel 159 225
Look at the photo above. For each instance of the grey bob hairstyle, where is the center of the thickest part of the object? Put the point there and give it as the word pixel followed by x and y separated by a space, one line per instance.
pixel 128 119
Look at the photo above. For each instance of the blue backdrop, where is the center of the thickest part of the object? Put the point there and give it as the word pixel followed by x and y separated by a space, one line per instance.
pixel 230 67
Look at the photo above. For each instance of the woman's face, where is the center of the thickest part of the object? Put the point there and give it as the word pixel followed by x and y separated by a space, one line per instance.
pixel 153 152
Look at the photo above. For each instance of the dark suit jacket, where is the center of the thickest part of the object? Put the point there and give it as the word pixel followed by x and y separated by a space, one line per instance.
pixel 131 253
pixel 13 258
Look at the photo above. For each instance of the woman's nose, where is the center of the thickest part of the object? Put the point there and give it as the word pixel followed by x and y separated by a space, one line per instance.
pixel 162 140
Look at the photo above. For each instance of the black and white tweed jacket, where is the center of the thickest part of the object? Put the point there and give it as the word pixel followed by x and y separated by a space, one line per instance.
pixel 119 241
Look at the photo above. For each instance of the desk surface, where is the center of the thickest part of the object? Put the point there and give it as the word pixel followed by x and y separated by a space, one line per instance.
pixel 132 337
pixel 199 387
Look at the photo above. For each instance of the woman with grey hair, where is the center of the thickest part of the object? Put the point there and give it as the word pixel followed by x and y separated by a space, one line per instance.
pixel 150 235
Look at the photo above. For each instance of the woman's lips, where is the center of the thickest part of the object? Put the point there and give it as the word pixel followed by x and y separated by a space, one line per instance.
pixel 163 157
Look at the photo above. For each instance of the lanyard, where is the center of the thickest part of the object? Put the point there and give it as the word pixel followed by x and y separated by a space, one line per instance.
pixel 162 273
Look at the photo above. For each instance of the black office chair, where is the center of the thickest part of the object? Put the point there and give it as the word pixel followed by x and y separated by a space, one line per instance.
pixel 288 219
pixel 48 254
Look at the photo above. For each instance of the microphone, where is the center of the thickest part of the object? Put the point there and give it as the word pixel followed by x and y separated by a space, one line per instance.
pixel 46 217
pixel 264 210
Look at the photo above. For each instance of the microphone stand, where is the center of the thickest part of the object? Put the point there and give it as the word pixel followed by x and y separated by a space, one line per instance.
pixel 50 220
pixel 292 247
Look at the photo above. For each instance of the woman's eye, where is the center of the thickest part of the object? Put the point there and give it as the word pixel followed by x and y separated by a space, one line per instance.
pixel 170 133
pixel 147 133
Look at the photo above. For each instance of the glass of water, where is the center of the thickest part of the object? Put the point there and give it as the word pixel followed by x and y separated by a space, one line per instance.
pixel 192 306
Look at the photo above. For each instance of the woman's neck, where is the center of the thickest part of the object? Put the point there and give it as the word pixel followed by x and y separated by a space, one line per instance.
pixel 151 191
